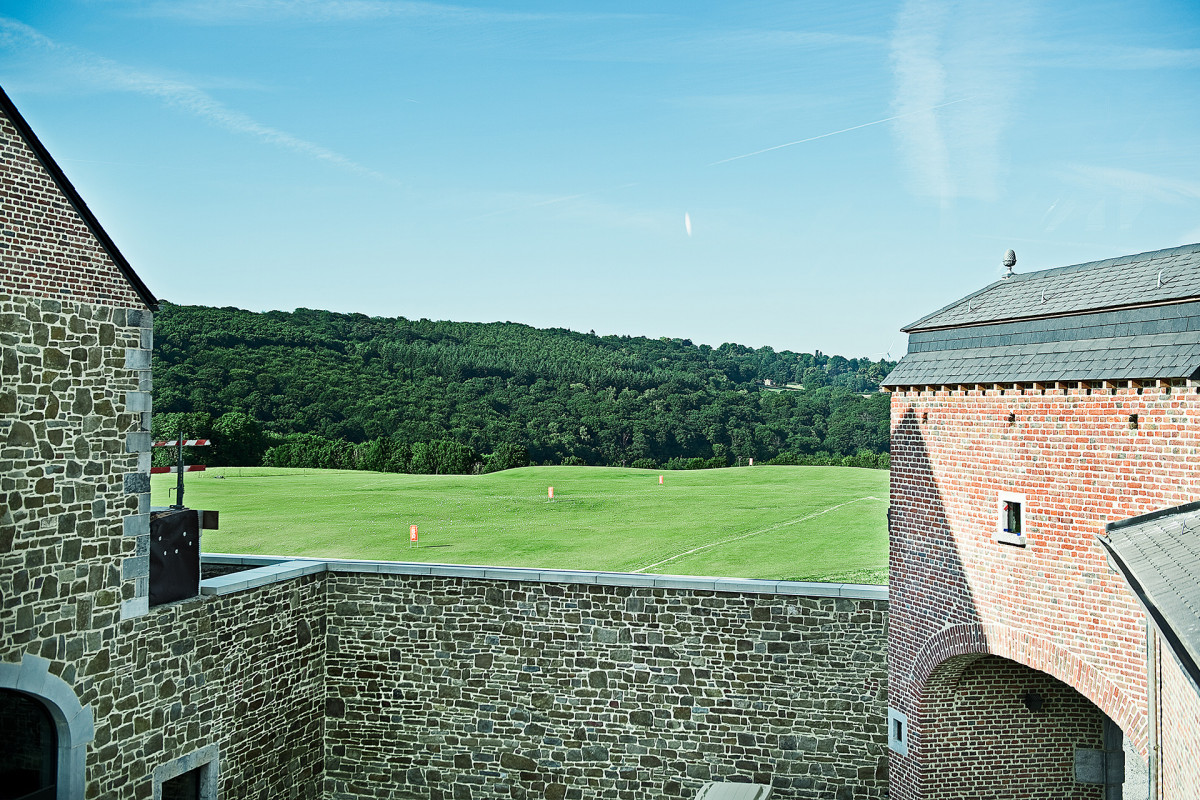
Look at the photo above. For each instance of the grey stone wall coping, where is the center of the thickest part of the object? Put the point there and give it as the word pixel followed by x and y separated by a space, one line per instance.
pixel 264 570
pixel 260 576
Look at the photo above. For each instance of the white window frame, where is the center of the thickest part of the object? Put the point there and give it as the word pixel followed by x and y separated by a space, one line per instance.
pixel 897 727
pixel 1003 536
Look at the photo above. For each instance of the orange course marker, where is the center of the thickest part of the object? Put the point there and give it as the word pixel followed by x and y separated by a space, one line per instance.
pixel 551 492
pixel 660 477
pixel 412 533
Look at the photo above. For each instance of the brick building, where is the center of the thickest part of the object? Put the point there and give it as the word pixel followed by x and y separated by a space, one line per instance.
pixel 1045 443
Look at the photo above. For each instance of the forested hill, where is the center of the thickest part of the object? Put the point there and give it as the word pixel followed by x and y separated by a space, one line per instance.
pixel 561 394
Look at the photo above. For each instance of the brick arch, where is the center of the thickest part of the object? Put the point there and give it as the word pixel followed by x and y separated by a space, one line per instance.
pixel 1037 653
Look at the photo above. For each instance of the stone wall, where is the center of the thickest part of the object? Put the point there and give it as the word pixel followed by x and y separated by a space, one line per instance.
pixel 140 688
pixel 66 474
pixel 243 671
pixel 452 687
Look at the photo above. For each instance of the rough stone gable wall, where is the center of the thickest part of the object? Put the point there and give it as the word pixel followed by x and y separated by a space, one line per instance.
pixel 46 248
pixel 1054 605
pixel 244 672
pixel 67 476
pixel 470 689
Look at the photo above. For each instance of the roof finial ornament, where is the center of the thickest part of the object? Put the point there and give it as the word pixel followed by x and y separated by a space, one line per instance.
pixel 1010 260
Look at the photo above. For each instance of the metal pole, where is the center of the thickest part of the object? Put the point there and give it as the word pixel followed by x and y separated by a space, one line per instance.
pixel 179 477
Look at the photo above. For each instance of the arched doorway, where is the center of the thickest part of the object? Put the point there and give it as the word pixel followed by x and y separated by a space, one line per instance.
pixel 28 748
pixel 994 728
pixel 33 695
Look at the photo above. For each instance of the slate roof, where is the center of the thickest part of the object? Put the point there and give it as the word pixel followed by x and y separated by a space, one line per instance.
pixel 60 178
pixel 1154 277
pixel 1159 556
pixel 1134 317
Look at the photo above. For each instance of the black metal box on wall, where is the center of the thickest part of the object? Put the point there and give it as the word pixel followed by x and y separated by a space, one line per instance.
pixel 175 553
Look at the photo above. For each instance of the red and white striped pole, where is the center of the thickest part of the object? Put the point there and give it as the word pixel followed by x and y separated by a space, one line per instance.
pixel 180 467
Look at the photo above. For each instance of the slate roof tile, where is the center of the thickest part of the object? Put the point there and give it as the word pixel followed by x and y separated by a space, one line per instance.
pixel 1154 277
pixel 1159 556
pixel 1131 317
pixel 1144 356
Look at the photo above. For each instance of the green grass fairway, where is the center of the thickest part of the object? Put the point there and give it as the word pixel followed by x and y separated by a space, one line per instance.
pixel 798 523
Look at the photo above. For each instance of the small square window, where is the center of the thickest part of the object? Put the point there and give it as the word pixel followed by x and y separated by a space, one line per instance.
pixel 897 732
pixel 190 777
pixel 183 787
pixel 1010 518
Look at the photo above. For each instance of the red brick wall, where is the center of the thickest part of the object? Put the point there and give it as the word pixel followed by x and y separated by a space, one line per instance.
pixel 1053 605
pixel 46 249
pixel 974 705
pixel 1180 731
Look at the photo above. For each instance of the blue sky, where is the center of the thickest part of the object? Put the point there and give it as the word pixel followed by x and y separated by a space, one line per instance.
pixel 846 167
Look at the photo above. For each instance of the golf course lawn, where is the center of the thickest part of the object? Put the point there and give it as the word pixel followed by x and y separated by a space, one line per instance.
pixel 795 523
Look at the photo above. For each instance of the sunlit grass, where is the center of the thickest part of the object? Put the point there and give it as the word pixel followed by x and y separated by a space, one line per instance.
pixel 801 523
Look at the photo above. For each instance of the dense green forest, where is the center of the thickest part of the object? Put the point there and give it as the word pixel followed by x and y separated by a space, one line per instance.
pixel 419 395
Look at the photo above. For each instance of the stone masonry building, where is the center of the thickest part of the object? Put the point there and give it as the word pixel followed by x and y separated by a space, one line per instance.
pixel 1045 445
pixel 337 679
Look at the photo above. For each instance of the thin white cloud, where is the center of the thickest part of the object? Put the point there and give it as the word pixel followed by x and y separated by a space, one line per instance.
pixel 1132 183
pixel 1103 198
pixel 921 84
pixel 1190 235
pixel 660 39
pixel 758 40
pixel 109 75
pixel 942 50
pixel 1105 56
pixel 222 12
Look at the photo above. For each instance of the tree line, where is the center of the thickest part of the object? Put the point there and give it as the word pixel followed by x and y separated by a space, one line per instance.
pixel 318 388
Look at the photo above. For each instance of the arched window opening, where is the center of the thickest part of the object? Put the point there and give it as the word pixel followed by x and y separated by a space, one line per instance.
pixel 28 749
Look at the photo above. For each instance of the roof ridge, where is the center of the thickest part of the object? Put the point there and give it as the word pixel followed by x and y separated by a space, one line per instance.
pixel 1101 285
pixel 1149 255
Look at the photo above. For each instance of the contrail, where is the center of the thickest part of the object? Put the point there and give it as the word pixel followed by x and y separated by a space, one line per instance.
pixel 767 529
pixel 843 130
pixel 114 75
